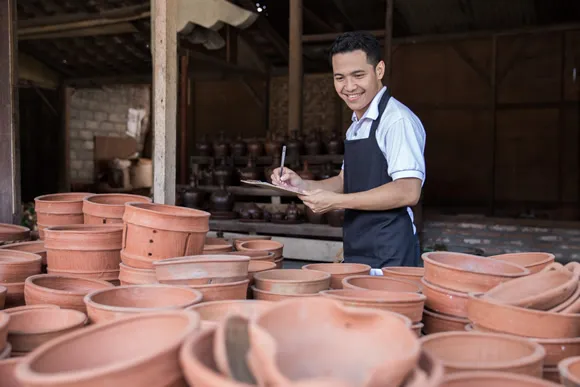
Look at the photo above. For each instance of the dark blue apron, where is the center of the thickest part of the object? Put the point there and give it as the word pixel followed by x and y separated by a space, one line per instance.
pixel 376 238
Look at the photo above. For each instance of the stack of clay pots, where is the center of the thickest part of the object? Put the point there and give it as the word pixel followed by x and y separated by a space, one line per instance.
pixel 59 209
pixel 15 268
pixel 263 246
pixel 35 247
pixel 281 284
pixel 5 347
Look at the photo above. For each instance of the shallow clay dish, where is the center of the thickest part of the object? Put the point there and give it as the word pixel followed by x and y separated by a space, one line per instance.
pixel 237 240
pixel 12 233
pixel 477 351
pixel 4 322
pixel 534 262
pixel 264 295
pixel 202 269
pixel 29 307
pixel 468 273
pixel 253 255
pixel 34 247
pixel 262 245
pixel 292 281
pixel 138 350
pixel 444 301
pixel 218 245
pixel 404 272
pixel 436 322
pixel 570 371
pixel 217 311
pixel 488 379
pixel 111 304
pixel 257 267
pixel 370 282
pixel 224 291
pixel 7 376
pixel 339 271
pixel 16 266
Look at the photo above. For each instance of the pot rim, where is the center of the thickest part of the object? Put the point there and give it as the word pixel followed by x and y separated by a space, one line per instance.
pixel 24 371
pixel 139 199
pixel 5 353
pixel 439 289
pixel 411 296
pixel 45 198
pixel 564 369
pixel 276 245
pixel 202 258
pixel 556 341
pixel 78 315
pixel 15 227
pixel 30 281
pixel 85 228
pixel 137 269
pixel 378 278
pixel 285 295
pixel 498 376
pixel 4 319
pixel 258 276
pixel 362 267
pixel 3 290
pixel 549 257
pixel 220 285
pixel 24 257
pixel 395 270
pixel 447 317
pixel 186 212
pixel 26 243
pixel 427 259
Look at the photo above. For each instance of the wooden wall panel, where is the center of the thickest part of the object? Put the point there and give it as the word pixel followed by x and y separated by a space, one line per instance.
pixel 572 60
pixel 570 157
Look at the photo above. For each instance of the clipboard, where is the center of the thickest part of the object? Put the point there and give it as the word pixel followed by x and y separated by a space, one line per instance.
pixel 265 184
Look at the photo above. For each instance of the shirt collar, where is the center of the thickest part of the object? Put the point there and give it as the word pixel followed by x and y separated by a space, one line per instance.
pixel 373 110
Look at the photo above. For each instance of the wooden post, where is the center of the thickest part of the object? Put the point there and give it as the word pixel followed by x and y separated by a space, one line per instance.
pixel 295 75
pixel 183 110
pixel 388 42
pixel 65 95
pixel 9 147
pixel 493 123
pixel 164 15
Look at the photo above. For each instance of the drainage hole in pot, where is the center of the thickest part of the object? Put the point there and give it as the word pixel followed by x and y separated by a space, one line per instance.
pixel 149 254
pixel 154 231
pixel 104 221
pixel 150 240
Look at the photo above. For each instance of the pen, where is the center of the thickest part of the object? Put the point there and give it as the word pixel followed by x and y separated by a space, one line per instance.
pixel 282 161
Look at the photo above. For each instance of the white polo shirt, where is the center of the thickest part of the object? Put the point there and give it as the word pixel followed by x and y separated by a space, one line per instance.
pixel 400 136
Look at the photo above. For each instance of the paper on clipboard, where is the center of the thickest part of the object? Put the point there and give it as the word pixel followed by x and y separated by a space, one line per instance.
pixel 265 184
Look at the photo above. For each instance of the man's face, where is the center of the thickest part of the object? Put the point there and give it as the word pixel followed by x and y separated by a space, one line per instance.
pixel 356 80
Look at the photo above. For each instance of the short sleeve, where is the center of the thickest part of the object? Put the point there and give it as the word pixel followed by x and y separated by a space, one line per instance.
pixel 403 146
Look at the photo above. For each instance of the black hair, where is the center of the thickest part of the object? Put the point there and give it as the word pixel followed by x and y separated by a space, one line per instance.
pixel 357 40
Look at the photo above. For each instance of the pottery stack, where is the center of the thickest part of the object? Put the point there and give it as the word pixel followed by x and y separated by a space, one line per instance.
pixel 59 209
pixel 108 208
pixel 262 246
pixel 35 247
pixel 282 284
pixel 15 267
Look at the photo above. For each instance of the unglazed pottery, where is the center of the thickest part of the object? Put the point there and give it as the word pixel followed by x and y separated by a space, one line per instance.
pixel 534 262
pixel 445 301
pixel 108 208
pixel 202 269
pixel 237 240
pixel 4 322
pixel 404 272
pixel 428 373
pixel 114 303
pixel 12 233
pixel 7 367
pixel 224 291
pixel 14 294
pixel 65 291
pixel 218 245
pixel 16 266
pixel 134 276
pixel 262 245
pixel 436 322
pixel 6 352
pixel 370 282
pixel 29 329
pixel 339 271
pixel 292 281
pixel 265 295
pixel 487 379
pixel 570 371
pixel 3 292
pixel 30 307
pixel 468 273
pixel 253 255
pixel 216 311
pixel 59 209
pixel 34 247
pixel 135 351
pixel 477 351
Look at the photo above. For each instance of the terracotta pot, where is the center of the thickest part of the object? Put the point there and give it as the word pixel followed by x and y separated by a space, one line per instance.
pixel 30 307
pixel 473 351
pixel 418 329
pixel 112 304
pixel 428 373
pixel 14 294
pixel 10 233
pixel 34 247
pixel 238 240
pixel 202 269
pixel 414 274
pixel 571 305
pixel 134 351
pixel 314 337
pixel 534 262
pixel 7 376
pixel 222 200
pixel 255 148
pixel 3 292
pixel 91 251
pixel 16 266
pixel 29 329
pixel 468 273
pixel 134 276
pixel 217 245
pixel 65 291
pixel 262 245
pixel 264 256
pixel 225 291
pixel 264 295
pixel 339 271
pixel 521 322
pixel 6 352
pixel 552 374
pixel 216 311
pixel 292 281
pixel 108 208
pixel 369 282
pixel 570 371
pixel 157 231
pixel 486 379
pixel 257 267
pixel 4 323
pixel 436 322
pixel 445 301
pixel 59 209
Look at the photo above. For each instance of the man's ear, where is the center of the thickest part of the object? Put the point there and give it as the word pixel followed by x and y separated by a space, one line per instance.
pixel 380 70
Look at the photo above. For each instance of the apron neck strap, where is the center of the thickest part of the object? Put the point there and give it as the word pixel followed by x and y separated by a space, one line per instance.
pixel 382 106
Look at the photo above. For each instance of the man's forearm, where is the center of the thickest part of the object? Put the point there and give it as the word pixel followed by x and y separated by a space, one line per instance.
pixel 333 184
pixel 396 194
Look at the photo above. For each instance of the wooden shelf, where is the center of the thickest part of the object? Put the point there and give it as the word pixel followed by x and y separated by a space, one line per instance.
pixel 268 228
pixel 267 160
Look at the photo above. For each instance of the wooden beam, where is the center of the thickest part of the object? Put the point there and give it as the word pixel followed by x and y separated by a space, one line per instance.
pixel 316 20
pixel 271 34
pixel 183 109
pixel 471 63
pixel 112 29
pixel 135 79
pixel 516 51
pixel 295 68
pixel 65 98
pixel 340 6
pixel 231 45
pixel 493 82
pixel 30 69
pixel 389 41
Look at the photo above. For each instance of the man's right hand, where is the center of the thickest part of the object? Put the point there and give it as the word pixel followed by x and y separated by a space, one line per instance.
pixel 289 178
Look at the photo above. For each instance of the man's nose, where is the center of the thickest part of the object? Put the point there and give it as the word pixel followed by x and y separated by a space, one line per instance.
pixel 350 85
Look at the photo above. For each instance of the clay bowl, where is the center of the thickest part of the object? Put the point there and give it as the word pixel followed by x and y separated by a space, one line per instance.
pixel 3 292
pixel 543 291
pixel 253 255
pixel 487 379
pixel 444 301
pixel 436 322
pixel 6 352
pixel 16 266
pixel 477 351
pixel 262 245
pixel 418 328
pixel 12 233
pixel 407 304
pixel 571 305
pixel 339 271
pixel 29 329
pixel 65 291
pixel 114 303
pixel 202 269
pixel 237 240
pixel 370 282
pixel 428 373
pixel 135 351
pixel 224 291
pixel 257 267
pixel 315 337
pixel 468 273
pixel 4 322
pixel 552 374
pixel 534 262
pixel 14 294
pixel 216 311
pixel 292 281
pixel 30 307
pixel 520 321
pixel 134 276
pixel 34 247
pixel 217 245
pixel 7 376
pixel 570 371
pixel 404 272
pixel 108 208
pixel 265 295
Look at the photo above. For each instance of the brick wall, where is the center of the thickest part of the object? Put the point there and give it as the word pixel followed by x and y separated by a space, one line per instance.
pixel 101 112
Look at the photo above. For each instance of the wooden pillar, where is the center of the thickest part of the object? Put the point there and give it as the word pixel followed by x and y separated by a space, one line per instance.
pixel 65 96
pixel 295 74
pixel 493 123
pixel 183 108
pixel 9 147
pixel 164 14
pixel 389 42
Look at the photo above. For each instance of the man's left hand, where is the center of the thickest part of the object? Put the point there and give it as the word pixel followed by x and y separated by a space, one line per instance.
pixel 321 201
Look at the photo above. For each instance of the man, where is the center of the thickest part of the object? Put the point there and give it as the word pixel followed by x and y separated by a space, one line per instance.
pixel 383 169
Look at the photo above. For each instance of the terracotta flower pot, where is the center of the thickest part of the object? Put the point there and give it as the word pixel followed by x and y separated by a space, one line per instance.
pixel 468 273
pixel 238 240
pixel 418 328
pixel 253 255
pixel 436 322
pixel 215 312
pixel 34 247
pixel 217 245
pixel 257 267
pixel 264 295
pixel 570 371
pixel 134 276
pixel 428 373
pixel 10 233
pixel 202 269
pixel 7 376
pixel 534 262
pixel 473 351
pixel 445 301
pixel 89 251
pixel 407 304
pixel 292 281
pixel 571 305
pixel 156 231
pixel 339 271
pixel 224 291
pixel 16 266
pixel 114 303
pixel 408 273
pixel 65 291
pixel 14 294
pixel 59 209
pixel 369 282
pixel 135 351
pixel 262 245
pixel 29 329
pixel 108 208
pixel 486 379
pixel 4 322
pixel 559 349
pixel 552 374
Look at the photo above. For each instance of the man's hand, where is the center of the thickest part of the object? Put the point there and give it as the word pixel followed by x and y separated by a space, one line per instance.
pixel 321 201
pixel 288 179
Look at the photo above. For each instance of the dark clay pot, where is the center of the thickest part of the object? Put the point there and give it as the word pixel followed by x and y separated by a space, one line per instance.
pixel 335 145
pixel 224 174
pixel 305 173
pixel 327 172
pixel 250 171
pixel 315 218
pixel 239 147
pixel 255 148
pixel 293 212
pixel 192 197
pixel 221 147
pixel 254 211
pixel 294 146
pixel 275 164
pixel 314 144
pixel 207 174
pixel 203 147
pixel 272 145
pixel 335 218
pixel 222 200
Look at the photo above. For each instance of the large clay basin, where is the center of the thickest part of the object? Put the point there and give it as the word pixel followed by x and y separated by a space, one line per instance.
pixel 370 282
pixel 59 209
pixel 139 350
pixel 444 301
pixel 10 233
pixel 520 321
pixel 404 272
pixel 407 304
pixel 265 295
pixel 7 376
pixel 215 312
pixel 477 351
pixel 570 371
pixel 534 262
pixel 16 266
pixel 253 255
pixel 468 273
pixel 315 337
pixel 487 379
pixel 4 321
pixel 257 267
pixel 262 245
pixel 339 271
pixel 134 276
pixel 34 247
pixel 65 291
pixel 436 322
pixel 217 245
pixel 428 373
pixel 202 269
pixel 224 291
pixel 29 329
pixel 114 303
pixel 108 208
pixel 292 281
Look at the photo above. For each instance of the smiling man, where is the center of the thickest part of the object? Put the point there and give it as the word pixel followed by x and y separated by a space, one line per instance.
pixel 384 167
